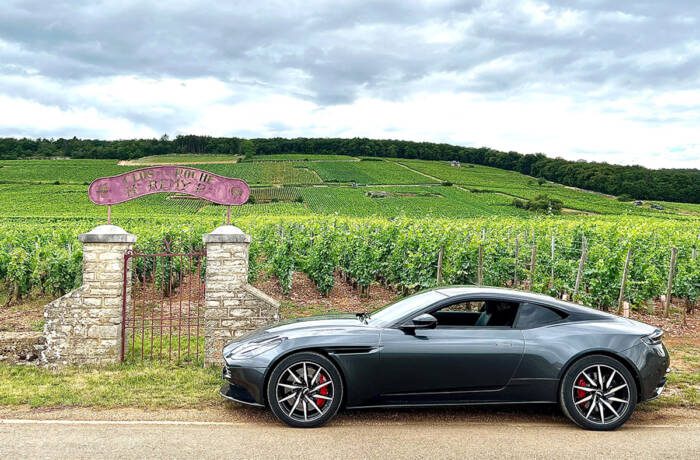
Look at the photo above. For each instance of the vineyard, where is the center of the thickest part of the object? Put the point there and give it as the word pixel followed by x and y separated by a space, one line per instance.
pixel 336 185
pixel 542 255
pixel 371 220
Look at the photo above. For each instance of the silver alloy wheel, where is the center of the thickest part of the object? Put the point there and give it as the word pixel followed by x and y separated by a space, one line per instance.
pixel 305 391
pixel 601 394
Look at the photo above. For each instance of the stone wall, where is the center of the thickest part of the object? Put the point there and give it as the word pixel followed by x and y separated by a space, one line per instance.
pixel 233 307
pixel 20 347
pixel 84 326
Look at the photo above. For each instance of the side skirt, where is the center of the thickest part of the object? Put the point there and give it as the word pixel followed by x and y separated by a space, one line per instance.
pixel 457 404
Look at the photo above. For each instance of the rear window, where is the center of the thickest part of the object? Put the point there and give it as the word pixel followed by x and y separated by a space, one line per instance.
pixel 532 315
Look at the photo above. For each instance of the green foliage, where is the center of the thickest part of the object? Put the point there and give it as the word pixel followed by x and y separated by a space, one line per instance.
pixel 401 252
pixel 282 261
pixel 540 203
pixel 321 261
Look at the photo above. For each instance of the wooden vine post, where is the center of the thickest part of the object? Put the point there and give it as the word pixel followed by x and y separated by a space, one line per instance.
pixel 551 277
pixel 533 261
pixel 671 274
pixel 480 268
pixel 623 283
pixel 441 254
pixel 581 265
pixel 517 255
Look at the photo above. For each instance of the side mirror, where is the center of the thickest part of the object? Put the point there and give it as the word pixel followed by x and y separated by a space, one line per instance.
pixel 424 321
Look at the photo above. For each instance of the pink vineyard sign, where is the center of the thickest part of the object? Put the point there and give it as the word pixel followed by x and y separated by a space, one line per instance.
pixel 169 179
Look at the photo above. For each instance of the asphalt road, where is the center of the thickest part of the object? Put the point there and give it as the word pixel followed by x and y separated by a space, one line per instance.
pixel 23 438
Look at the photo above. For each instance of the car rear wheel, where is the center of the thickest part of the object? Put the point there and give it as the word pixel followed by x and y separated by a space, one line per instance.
pixel 305 390
pixel 598 393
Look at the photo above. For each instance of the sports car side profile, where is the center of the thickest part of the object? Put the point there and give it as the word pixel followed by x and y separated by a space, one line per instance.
pixel 451 346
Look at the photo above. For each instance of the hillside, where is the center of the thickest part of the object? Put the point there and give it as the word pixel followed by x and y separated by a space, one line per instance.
pixel 681 185
pixel 375 219
pixel 308 184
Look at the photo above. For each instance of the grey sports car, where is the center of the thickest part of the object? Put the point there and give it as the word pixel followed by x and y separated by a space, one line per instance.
pixel 451 346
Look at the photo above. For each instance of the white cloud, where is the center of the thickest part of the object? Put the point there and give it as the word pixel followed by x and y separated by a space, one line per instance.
pixel 19 117
pixel 600 80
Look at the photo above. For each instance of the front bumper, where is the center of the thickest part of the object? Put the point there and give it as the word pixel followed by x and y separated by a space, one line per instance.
pixel 243 385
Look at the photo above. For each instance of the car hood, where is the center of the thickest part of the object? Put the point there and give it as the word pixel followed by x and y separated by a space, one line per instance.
pixel 312 325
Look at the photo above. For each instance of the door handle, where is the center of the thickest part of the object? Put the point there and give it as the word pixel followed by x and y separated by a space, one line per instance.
pixel 504 344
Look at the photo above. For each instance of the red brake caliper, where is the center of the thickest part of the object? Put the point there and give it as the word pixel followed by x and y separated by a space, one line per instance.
pixel 580 393
pixel 323 391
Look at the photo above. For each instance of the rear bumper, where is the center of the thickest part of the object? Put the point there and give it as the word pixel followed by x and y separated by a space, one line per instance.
pixel 652 363
pixel 660 387
pixel 243 385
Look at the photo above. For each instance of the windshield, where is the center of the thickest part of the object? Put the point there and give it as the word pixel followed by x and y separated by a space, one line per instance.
pixel 397 310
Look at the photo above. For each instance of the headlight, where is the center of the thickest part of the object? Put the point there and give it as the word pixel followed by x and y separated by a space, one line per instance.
pixel 252 349
pixel 654 338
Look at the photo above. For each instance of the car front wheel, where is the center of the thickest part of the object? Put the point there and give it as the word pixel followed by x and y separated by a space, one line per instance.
pixel 305 390
pixel 598 393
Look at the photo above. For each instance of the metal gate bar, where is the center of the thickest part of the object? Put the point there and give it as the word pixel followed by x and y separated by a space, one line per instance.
pixel 161 316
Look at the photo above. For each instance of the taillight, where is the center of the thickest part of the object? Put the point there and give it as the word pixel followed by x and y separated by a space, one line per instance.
pixel 653 338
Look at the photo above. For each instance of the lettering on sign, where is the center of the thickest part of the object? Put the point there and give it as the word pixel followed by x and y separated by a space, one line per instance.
pixel 173 179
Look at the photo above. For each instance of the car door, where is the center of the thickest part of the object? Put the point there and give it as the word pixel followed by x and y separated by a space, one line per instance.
pixel 447 363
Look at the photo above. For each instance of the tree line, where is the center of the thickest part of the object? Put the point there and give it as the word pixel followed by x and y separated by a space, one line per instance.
pixel 682 185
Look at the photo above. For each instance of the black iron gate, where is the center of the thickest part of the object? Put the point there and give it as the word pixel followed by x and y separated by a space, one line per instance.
pixel 163 315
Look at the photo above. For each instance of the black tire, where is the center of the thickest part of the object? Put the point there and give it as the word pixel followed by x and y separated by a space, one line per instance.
pixel 301 406
pixel 594 405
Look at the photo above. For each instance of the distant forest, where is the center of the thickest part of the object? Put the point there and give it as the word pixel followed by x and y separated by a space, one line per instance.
pixel 681 185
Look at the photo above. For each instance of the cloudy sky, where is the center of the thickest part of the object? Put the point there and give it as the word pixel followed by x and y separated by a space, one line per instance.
pixel 615 81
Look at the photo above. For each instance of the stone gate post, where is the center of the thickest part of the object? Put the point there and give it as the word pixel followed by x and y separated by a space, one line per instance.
pixel 232 306
pixel 84 326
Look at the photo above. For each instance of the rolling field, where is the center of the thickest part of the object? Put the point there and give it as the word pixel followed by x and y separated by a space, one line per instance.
pixel 390 225
pixel 290 184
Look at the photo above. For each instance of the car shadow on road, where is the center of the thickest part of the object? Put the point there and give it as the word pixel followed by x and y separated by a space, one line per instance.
pixel 545 414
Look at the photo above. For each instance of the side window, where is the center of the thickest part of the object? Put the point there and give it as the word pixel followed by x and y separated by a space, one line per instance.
pixel 477 313
pixel 475 306
pixel 532 315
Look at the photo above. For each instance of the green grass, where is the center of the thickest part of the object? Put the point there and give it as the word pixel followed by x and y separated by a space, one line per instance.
pixel 151 386
pixel 683 387
pixel 156 385
pixel 185 158
pixel 166 346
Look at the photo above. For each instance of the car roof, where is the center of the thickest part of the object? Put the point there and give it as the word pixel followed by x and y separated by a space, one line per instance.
pixel 522 296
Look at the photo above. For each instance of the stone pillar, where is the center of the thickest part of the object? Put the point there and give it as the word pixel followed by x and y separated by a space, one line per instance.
pixel 84 326
pixel 232 306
